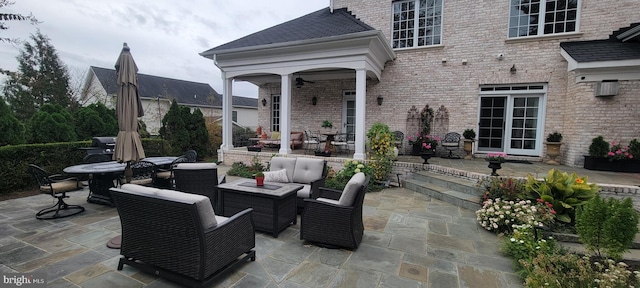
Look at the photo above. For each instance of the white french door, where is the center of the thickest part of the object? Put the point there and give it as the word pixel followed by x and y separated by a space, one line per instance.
pixel 511 119
pixel 349 112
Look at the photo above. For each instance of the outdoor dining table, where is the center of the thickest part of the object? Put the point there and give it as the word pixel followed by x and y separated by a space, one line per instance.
pixel 103 175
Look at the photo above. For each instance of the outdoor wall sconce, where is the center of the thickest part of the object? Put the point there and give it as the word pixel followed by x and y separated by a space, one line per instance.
pixel 380 99
pixel 314 100
pixel 264 102
pixel 513 69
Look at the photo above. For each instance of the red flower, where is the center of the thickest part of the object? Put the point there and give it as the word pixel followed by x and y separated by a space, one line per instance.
pixel 540 200
pixel 553 212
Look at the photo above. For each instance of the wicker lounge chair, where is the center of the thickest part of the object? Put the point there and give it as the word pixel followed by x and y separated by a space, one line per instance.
pixel 335 219
pixel 176 235
pixel 199 178
pixel 164 177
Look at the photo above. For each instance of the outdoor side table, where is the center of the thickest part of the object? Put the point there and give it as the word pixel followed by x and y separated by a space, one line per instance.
pixel 274 204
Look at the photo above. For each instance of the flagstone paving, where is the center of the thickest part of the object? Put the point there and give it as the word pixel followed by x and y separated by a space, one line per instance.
pixel 410 240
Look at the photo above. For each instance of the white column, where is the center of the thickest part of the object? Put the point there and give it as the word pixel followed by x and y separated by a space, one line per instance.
pixel 227 124
pixel 285 115
pixel 361 108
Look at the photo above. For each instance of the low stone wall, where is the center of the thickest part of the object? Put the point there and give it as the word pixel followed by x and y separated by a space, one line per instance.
pixel 405 170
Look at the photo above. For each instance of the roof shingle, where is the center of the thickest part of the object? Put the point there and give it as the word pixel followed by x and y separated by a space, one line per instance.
pixel 319 24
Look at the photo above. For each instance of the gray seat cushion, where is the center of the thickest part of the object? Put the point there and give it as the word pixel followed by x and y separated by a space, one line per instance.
pixel 351 189
pixel 203 204
pixel 307 170
pixel 305 192
pixel 279 163
pixel 195 166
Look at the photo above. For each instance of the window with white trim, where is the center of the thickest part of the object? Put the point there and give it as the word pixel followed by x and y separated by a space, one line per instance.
pixel 234 116
pixel 416 23
pixel 542 17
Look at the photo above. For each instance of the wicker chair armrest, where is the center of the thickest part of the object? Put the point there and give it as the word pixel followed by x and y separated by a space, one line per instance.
pixel 324 192
pixel 226 241
pixel 335 216
pixel 327 207
pixel 315 188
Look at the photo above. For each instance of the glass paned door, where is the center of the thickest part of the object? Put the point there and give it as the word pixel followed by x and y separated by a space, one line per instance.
pixel 349 113
pixel 491 125
pixel 524 126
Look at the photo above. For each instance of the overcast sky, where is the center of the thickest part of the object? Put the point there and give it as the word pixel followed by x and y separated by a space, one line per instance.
pixel 165 36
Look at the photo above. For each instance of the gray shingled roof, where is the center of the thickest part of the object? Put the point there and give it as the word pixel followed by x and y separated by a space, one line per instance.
pixel 319 24
pixel 610 49
pixel 183 91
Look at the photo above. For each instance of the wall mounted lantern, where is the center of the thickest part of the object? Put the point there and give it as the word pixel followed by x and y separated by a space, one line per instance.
pixel 314 100
pixel 513 69
pixel 264 102
pixel 380 99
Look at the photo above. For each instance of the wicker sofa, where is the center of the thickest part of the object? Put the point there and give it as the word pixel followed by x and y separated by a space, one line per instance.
pixel 296 138
pixel 177 236
pixel 309 172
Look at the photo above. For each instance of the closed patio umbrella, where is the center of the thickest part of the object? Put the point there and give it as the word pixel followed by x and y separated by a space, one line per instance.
pixel 128 108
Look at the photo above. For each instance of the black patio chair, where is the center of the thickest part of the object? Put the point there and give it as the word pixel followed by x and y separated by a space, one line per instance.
pixel 451 141
pixel 311 142
pixel 399 138
pixel 56 186
pixel 192 155
pixel 199 178
pixel 143 173
pixel 165 177
pixel 335 218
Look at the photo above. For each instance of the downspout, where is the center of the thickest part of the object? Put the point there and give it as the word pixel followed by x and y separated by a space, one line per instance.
pixel 331 6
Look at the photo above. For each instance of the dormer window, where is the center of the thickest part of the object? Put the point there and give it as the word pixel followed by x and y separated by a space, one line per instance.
pixel 417 23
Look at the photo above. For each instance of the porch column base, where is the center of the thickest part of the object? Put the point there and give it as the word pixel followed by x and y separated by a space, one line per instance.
pixel 358 156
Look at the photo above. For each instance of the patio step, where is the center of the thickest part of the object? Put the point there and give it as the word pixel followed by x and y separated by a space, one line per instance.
pixel 449 189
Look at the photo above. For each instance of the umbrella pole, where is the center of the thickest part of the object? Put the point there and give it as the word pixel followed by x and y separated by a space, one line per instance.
pixel 128 173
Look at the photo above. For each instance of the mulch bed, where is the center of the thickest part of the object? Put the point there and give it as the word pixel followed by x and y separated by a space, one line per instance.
pixel 18 194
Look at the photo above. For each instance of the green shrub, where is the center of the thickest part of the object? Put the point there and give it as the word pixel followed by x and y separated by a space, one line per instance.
pixel 598 148
pixel 381 150
pixel 564 191
pixel 522 246
pixel 52 123
pixel 503 188
pixel 469 134
pixel 572 271
pixel 634 148
pixel 242 170
pixel 11 129
pixel 607 225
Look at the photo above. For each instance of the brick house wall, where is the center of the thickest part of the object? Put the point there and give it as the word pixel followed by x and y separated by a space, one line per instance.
pixel 476 31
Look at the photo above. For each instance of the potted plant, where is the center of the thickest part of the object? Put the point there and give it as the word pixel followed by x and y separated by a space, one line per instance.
pixel 259 178
pixel 495 161
pixel 425 144
pixel 554 141
pixel 327 124
pixel 469 137
pixel 605 156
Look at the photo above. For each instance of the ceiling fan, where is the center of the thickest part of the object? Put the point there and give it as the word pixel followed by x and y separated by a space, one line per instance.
pixel 300 82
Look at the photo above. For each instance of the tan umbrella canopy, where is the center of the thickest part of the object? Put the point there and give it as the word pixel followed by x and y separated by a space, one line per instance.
pixel 128 109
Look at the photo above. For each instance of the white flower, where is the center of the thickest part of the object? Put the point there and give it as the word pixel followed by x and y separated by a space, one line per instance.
pixel 513 239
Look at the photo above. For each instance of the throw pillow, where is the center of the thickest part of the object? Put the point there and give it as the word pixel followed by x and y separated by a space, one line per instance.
pixel 263 136
pixel 276 176
pixel 275 135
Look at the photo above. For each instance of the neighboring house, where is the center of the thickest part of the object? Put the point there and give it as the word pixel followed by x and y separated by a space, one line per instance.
pixel 156 94
pixel 514 71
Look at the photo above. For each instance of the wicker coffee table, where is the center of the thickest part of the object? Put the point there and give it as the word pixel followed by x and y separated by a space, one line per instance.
pixel 274 204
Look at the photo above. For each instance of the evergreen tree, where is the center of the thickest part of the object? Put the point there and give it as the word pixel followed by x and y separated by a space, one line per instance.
pixel 198 133
pixel 41 78
pixel 11 130
pixel 95 120
pixel 52 123
pixel 13 17
pixel 174 130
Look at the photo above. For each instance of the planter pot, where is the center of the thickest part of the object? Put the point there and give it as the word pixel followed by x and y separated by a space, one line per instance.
pixel 416 150
pixel 603 164
pixel 495 165
pixel 323 154
pixel 553 151
pixel 426 157
pixel 260 181
pixel 468 148
pixel 254 149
